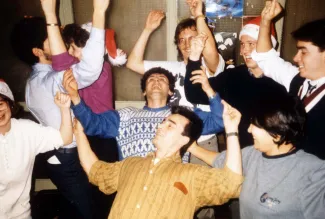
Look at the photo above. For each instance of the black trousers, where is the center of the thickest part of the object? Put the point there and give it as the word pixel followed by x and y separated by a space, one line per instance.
pixel 82 200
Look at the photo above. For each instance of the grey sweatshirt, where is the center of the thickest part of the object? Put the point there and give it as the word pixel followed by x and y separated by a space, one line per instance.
pixel 283 186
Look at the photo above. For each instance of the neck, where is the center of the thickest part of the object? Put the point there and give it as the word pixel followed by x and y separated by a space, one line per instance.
pixel 282 149
pixel 156 103
pixel 162 154
pixel 43 60
pixel 257 72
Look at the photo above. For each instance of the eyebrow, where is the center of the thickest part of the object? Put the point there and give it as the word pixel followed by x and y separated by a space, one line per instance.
pixel 301 47
pixel 169 120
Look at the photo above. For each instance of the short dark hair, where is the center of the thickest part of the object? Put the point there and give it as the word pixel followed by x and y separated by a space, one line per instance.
pixel 313 32
pixel 184 24
pixel 193 129
pixel 15 109
pixel 158 70
pixel 283 117
pixel 28 33
pixel 73 33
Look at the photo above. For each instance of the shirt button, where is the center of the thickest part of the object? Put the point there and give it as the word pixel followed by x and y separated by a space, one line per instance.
pixel 145 188
pixel 138 206
pixel 151 172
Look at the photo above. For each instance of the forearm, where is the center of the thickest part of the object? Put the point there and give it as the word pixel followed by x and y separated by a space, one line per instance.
pixel 57 45
pixel 66 126
pixel 203 154
pixel 99 19
pixel 233 157
pixel 86 156
pixel 264 43
pixel 135 60
pixel 194 92
pixel 210 52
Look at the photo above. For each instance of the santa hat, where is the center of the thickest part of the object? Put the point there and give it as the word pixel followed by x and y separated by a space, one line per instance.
pixel 116 56
pixel 252 29
pixel 5 90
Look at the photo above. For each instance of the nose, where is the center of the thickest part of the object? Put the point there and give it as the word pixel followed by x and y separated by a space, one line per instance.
pixel 249 128
pixel 296 58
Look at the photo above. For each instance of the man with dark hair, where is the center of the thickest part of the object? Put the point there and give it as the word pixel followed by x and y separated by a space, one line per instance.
pixel 159 185
pixel 36 47
pixel 135 128
pixel 307 80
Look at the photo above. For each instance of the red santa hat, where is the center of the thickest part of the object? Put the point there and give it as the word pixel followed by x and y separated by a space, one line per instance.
pixel 116 56
pixel 252 29
pixel 5 90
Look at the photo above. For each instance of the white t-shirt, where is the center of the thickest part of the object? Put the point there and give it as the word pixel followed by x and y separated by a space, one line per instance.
pixel 18 149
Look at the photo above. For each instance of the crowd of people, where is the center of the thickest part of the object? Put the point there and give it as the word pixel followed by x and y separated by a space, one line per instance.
pixel 168 163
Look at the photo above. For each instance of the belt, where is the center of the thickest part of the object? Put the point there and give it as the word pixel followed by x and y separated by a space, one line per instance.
pixel 67 150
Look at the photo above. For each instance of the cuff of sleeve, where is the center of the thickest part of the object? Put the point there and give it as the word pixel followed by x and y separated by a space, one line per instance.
pixel 215 98
pixel 198 62
pixel 79 108
pixel 264 55
pixel 98 34
pixel 93 172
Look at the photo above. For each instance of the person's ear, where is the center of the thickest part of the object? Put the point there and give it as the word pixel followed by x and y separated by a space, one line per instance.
pixel 185 140
pixel 170 93
pixel 37 52
pixel 144 93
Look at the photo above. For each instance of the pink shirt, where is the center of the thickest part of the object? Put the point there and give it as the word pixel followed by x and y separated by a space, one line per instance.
pixel 99 95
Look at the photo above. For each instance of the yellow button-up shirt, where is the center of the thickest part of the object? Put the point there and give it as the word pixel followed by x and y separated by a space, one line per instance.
pixel 166 188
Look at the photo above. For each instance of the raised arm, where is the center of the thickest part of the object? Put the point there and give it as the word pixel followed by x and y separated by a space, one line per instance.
pixel 202 153
pixel 105 125
pixel 231 118
pixel 270 11
pixel 135 61
pixel 210 52
pixel 57 45
pixel 266 57
pixel 63 102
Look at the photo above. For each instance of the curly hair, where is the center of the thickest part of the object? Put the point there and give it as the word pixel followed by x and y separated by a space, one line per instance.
pixel 158 70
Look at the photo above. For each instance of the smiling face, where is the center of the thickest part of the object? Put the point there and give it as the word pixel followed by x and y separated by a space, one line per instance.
pixel 5 116
pixel 263 141
pixel 247 45
pixel 311 60
pixel 169 137
pixel 184 41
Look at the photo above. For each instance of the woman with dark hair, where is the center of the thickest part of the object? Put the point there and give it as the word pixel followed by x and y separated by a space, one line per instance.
pixel 20 141
pixel 281 180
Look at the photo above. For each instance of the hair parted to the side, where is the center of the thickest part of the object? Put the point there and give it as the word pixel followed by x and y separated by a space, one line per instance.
pixel 28 33
pixel 73 33
pixel 193 129
pixel 283 118
pixel 313 32
pixel 158 70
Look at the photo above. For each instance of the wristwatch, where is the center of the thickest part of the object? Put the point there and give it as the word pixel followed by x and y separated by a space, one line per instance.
pixel 231 134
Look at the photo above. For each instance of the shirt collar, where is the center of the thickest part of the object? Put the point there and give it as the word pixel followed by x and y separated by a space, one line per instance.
pixel 39 67
pixel 156 109
pixel 319 82
pixel 175 157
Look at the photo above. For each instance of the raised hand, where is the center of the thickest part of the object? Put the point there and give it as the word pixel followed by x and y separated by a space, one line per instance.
pixel 200 77
pixel 231 117
pixel 62 100
pixel 101 5
pixel 195 7
pixel 197 46
pixel 154 19
pixel 71 86
pixel 48 7
pixel 271 10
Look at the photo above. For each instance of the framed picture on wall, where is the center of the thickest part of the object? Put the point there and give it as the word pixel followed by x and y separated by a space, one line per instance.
pixel 224 8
